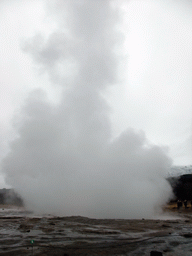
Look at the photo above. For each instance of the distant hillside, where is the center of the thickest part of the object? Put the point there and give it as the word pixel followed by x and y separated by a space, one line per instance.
pixel 9 196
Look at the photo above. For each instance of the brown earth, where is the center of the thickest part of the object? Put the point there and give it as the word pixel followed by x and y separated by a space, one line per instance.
pixel 22 234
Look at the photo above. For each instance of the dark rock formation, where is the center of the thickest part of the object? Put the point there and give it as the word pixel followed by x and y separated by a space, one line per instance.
pixel 9 196
pixel 182 186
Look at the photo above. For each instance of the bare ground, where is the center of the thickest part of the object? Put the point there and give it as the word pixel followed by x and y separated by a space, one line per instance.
pixel 65 236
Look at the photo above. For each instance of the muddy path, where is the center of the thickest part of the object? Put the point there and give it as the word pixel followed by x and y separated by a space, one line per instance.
pixel 22 234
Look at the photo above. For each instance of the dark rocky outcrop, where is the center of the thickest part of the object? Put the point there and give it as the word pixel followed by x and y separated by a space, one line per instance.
pixel 182 186
pixel 10 197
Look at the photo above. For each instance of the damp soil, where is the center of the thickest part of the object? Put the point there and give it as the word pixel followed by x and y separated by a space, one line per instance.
pixel 25 234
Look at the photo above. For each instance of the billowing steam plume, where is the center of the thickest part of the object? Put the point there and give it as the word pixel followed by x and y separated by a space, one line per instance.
pixel 65 160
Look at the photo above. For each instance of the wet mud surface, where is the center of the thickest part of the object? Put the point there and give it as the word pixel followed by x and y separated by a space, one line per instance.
pixel 24 234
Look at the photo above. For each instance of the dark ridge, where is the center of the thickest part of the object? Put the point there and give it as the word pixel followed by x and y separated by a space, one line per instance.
pixel 182 186
pixel 10 197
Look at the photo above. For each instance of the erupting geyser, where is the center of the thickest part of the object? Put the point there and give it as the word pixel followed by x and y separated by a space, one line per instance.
pixel 65 160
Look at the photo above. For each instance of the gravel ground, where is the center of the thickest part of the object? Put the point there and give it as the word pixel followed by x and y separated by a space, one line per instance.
pixel 25 234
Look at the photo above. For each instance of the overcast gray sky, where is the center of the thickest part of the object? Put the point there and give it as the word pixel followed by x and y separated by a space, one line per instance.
pixel 152 91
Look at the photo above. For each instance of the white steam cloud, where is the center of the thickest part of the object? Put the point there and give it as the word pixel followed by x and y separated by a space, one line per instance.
pixel 65 160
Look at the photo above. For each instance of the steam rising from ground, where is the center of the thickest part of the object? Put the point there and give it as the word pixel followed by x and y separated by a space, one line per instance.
pixel 65 160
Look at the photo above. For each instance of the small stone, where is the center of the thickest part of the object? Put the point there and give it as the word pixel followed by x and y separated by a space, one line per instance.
pixel 166 226
pixel 187 235
pixel 156 253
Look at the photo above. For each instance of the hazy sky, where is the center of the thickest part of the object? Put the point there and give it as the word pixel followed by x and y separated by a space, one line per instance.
pixel 149 71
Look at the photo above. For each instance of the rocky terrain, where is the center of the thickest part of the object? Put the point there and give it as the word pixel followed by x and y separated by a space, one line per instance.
pixel 22 233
